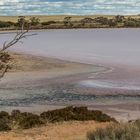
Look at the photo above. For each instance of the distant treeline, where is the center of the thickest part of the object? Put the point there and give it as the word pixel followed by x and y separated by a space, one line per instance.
pixel 87 22
pixel 25 120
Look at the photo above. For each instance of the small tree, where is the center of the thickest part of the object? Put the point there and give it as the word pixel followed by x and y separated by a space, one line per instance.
pixel 67 21
pixel 119 18
pixel 112 23
pixel 4 55
pixel 21 22
pixel 34 21
pixel 86 20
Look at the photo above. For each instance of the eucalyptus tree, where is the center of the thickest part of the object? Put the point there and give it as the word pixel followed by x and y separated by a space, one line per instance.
pixel 67 21
pixel 5 58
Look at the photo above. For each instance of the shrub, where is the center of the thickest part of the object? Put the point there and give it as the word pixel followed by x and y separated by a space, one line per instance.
pixel 29 120
pixel 86 20
pixel 4 126
pixel 48 23
pixel 34 21
pixel 101 20
pixel 112 23
pixel 137 123
pixel 75 113
pixel 4 115
pixel 119 18
pixel 116 132
pixel 4 24
pixel 130 23
pixel 15 114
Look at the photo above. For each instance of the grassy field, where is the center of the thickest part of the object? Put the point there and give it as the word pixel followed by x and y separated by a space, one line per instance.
pixel 58 17
pixel 74 130
pixel 46 18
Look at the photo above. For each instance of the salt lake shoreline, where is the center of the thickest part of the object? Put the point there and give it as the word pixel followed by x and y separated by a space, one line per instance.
pixel 41 30
pixel 123 71
pixel 68 76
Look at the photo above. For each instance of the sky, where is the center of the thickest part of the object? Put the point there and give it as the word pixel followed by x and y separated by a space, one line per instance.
pixel 75 7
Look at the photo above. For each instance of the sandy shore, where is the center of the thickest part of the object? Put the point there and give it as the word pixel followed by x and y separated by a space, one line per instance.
pixel 29 67
pixel 33 71
pixel 32 74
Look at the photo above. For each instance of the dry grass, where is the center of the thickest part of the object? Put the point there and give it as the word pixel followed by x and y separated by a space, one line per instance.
pixel 44 18
pixel 58 131
pixel 122 131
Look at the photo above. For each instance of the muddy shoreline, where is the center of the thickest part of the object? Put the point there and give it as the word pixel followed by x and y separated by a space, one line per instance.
pixel 56 87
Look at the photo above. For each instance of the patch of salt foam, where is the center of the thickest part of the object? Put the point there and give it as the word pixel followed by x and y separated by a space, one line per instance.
pixel 109 84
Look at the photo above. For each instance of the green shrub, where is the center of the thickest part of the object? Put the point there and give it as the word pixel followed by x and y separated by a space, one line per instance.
pixel 130 23
pixel 15 114
pixel 4 126
pixel 75 113
pixel 101 20
pixel 4 114
pixel 4 117
pixel 4 24
pixel 137 123
pixel 34 21
pixel 29 120
pixel 116 132
pixel 48 23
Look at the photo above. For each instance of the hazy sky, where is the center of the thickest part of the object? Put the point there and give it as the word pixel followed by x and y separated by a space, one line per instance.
pixel 22 7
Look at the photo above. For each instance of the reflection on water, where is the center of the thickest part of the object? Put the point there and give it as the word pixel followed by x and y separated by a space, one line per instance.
pixel 115 46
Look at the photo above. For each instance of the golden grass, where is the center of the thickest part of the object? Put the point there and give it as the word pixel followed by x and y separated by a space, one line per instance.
pixel 59 131
pixel 57 17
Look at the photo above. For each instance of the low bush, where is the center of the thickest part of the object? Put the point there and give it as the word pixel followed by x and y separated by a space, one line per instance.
pixel 75 113
pixel 4 126
pixel 137 123
pixel 15 114
pixel 129 131
pixel 4 24
pixel 48 23
pixel 4 115
pixel 29 120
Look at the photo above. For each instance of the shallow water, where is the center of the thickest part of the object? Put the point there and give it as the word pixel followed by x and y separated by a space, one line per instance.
pixel 118 49
pixel 109 46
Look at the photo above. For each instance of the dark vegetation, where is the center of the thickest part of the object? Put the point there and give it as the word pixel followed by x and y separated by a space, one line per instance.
pixel 25 120
pixel 129 131
pixel 75 113
pixel 97 22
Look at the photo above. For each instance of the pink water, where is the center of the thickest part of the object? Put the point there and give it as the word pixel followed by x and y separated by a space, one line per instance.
pixel 115 48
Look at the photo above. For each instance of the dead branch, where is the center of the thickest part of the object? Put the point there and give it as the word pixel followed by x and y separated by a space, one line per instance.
pixel 4 59
pixel 18 37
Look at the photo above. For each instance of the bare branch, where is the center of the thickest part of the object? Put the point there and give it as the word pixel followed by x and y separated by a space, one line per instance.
pixel 4 71
pixel 4 58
